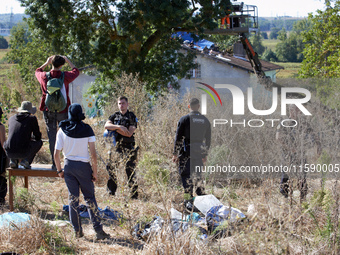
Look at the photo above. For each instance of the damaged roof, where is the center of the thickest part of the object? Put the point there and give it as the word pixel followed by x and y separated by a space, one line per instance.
pixel 235 61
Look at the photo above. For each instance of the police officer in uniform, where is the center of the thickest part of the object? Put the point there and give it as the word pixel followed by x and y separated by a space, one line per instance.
pixel 124 124
pixel 192 141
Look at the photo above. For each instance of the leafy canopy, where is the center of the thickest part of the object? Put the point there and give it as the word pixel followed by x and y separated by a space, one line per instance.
pixel 132 36
pixel 321 52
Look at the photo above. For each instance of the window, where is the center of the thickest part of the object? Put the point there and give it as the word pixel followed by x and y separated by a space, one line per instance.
pixel 195 73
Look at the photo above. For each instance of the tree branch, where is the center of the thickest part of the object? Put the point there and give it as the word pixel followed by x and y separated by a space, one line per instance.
pixel 113 33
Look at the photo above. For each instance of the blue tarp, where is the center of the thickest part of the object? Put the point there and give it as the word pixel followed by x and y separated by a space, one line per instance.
pixel 201 43
pixel 10 218
pixel 105 213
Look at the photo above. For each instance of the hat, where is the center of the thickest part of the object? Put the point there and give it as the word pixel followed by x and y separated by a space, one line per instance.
pixel 26 106
pixel 75 112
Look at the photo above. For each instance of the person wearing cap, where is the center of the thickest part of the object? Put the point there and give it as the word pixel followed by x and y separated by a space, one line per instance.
pixel 24 136
pixel 3 162
pixel 51 118
pixel 192 141
pixel 75 138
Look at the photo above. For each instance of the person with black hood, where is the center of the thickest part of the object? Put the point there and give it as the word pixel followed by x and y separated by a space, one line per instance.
pixel 21 147
pixel 3 161
pixel 74 137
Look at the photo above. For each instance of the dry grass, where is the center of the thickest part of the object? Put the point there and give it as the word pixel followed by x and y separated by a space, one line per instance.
pixel 276 226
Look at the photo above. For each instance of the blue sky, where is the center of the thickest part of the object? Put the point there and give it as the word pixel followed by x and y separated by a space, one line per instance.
pixel 266 8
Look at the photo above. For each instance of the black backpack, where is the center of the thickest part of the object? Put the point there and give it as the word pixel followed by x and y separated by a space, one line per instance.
pixel 55 100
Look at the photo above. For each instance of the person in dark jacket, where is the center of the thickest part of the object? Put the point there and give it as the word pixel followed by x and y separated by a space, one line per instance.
pixel 24 136
pixel 192 141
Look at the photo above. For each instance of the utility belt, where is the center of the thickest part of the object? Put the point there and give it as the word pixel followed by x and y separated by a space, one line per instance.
pixel 126 145
pixel 194 148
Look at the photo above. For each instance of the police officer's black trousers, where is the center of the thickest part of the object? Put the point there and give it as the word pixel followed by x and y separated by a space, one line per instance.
pixel 187 182
pixel 128 156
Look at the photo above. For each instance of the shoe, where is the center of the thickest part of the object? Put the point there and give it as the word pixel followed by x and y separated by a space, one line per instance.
pixel 101 235
pixel 13 163
pixel 54 168
pixel 79 234
pixel 284 193
pixel 135 195
pixel 25 164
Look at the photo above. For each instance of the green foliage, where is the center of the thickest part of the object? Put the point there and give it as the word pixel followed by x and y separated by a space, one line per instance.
pixel 269 55
pixel 264 35
pixel 5 111
pixel 290 48
pixel 322 43
pixel 256 42
pixel 54 238
pixel 23 199
pixel 265 24
pixel 224 42
pixel 291 45
pixel 3 43
pixel 154 168
pixel 274 33
pixel 29 50
pixel 322 200
pixel 130 36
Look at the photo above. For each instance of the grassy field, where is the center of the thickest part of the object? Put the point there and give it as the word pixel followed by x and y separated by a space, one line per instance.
pixel 270 43
pixel 290 69
pixel 273 224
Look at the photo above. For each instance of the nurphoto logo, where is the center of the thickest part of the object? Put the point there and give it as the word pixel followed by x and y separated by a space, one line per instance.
pixel 238 103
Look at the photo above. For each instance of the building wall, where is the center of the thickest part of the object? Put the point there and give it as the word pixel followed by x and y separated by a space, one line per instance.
pixel 78 95
pixel 214 72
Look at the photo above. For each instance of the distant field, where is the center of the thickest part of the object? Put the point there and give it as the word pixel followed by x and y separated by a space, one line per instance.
pixel 3 53
pixel 291 69
pixel 4 67
pixel 270 43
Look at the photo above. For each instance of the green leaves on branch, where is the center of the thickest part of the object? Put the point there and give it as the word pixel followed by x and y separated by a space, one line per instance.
pixel 322 44
pixel 126 36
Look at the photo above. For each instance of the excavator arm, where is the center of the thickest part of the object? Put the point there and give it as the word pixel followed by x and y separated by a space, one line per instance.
pixel 256 64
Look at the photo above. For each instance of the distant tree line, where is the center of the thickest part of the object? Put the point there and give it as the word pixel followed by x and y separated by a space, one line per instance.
pixel 267 24
pixel 3 43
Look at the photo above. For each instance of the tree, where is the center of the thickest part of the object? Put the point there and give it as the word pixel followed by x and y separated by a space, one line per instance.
pixel 256 42
pixel 321 53
pixel 264 35
pixel 274 33
pixel 132 36
pixel 291 45
pixel 322 41
pixel 224 42
pixel 3 43
pixel 29 50
pixel 269 55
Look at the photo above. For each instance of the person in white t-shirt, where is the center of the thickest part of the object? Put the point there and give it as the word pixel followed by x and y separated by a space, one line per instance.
pixel 76 138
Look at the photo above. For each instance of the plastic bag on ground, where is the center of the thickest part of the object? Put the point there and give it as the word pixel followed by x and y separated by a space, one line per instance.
pixel 204 203
pixel 11 218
